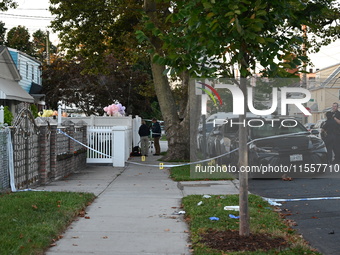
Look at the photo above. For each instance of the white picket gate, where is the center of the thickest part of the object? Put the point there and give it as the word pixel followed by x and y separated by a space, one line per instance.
pixel 110 138
pixel 100 139
pixel 109 144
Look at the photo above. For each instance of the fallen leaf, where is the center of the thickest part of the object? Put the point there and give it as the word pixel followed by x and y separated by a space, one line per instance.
pixel 75 244
pixel 87 217
pixel 167 229
pixel 105 237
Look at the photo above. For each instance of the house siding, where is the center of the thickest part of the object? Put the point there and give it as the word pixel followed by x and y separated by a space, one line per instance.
pixel 28 67
pixel 324 93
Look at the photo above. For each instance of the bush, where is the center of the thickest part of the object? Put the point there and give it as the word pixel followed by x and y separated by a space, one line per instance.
pixel 8 116
pixel 34 110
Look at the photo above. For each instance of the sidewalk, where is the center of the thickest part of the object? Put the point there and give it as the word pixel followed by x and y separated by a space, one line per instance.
pixel 134 213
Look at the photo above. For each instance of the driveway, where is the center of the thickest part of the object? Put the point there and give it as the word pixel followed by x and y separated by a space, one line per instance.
pixel 316 213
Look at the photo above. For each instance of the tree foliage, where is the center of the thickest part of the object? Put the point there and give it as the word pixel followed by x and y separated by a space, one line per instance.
pixel 19 38
pixel 190 38
pixel 7 4
pixel 39 44
pixel 94 29
pixel 247 33
pixel 2 33
pixel 65 80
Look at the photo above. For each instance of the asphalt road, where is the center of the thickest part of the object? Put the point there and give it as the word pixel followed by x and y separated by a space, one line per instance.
pixel 317 220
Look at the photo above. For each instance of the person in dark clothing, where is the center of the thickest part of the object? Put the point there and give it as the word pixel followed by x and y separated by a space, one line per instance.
pixel 156 135
pixel 328 134
pixel 336 117
pixel 144 132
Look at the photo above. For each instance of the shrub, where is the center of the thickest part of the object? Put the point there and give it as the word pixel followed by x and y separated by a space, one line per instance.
pixel 8 116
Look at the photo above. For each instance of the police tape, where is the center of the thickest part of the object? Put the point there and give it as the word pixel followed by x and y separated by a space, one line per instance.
pixel 212 158
pixel 162 165
pixel 88 147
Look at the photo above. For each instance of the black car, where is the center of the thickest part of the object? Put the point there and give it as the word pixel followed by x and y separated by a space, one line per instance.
pixel 285 145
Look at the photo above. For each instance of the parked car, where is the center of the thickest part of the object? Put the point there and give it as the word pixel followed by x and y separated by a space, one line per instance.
pixel 275 144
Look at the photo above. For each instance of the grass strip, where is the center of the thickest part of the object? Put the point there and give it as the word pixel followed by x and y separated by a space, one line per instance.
pixel 32 221
pixel 263 220
pixel 182 173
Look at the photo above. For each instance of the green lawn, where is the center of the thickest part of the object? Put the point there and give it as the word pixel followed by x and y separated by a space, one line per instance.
pixel 32 221
pixel 182 173
pixel 262 220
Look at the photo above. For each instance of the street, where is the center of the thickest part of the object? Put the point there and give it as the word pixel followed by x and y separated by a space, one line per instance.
pixel 317 220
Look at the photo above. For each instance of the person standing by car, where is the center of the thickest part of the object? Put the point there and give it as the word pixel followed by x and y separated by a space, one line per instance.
pixel 336 117
pixel 328 135
pixel 144 132
pixel 156 135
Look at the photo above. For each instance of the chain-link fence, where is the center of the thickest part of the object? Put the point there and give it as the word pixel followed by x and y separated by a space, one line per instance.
pixel 4 167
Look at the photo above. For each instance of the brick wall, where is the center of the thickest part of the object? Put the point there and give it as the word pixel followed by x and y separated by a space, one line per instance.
pixel 65 155
pixel 59 156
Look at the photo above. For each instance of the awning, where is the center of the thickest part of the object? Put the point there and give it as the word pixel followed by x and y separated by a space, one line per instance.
pixel 11 90
pixel 35 88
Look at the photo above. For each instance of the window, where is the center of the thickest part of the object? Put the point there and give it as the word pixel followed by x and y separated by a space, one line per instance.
pixel 32 73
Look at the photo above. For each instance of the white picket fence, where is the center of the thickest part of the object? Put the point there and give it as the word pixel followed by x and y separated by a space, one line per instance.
pixel 109 144
pixel 2 114
pixel 111 139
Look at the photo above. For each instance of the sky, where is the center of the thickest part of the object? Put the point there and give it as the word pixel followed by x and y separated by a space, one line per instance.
pixel 34 15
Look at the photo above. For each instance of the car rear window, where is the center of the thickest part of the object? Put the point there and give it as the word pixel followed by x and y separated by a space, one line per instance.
pixel 272 128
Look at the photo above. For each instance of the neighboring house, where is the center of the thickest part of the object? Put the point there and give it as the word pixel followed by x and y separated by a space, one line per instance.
pixel 30 71
pixel 11 93
pixel 325 91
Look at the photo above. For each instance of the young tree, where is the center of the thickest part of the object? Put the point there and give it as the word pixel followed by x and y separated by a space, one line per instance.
pixel 268 33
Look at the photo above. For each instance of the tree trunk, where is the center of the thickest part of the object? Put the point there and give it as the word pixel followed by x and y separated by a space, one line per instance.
pixel 243 161
pixel 176 129
pixel 176 121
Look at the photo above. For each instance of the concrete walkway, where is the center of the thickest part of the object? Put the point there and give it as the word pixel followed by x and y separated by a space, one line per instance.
pixel 134 213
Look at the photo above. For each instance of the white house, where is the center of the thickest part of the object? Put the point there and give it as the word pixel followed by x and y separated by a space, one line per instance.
pixel 11 93
pixel 30 71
